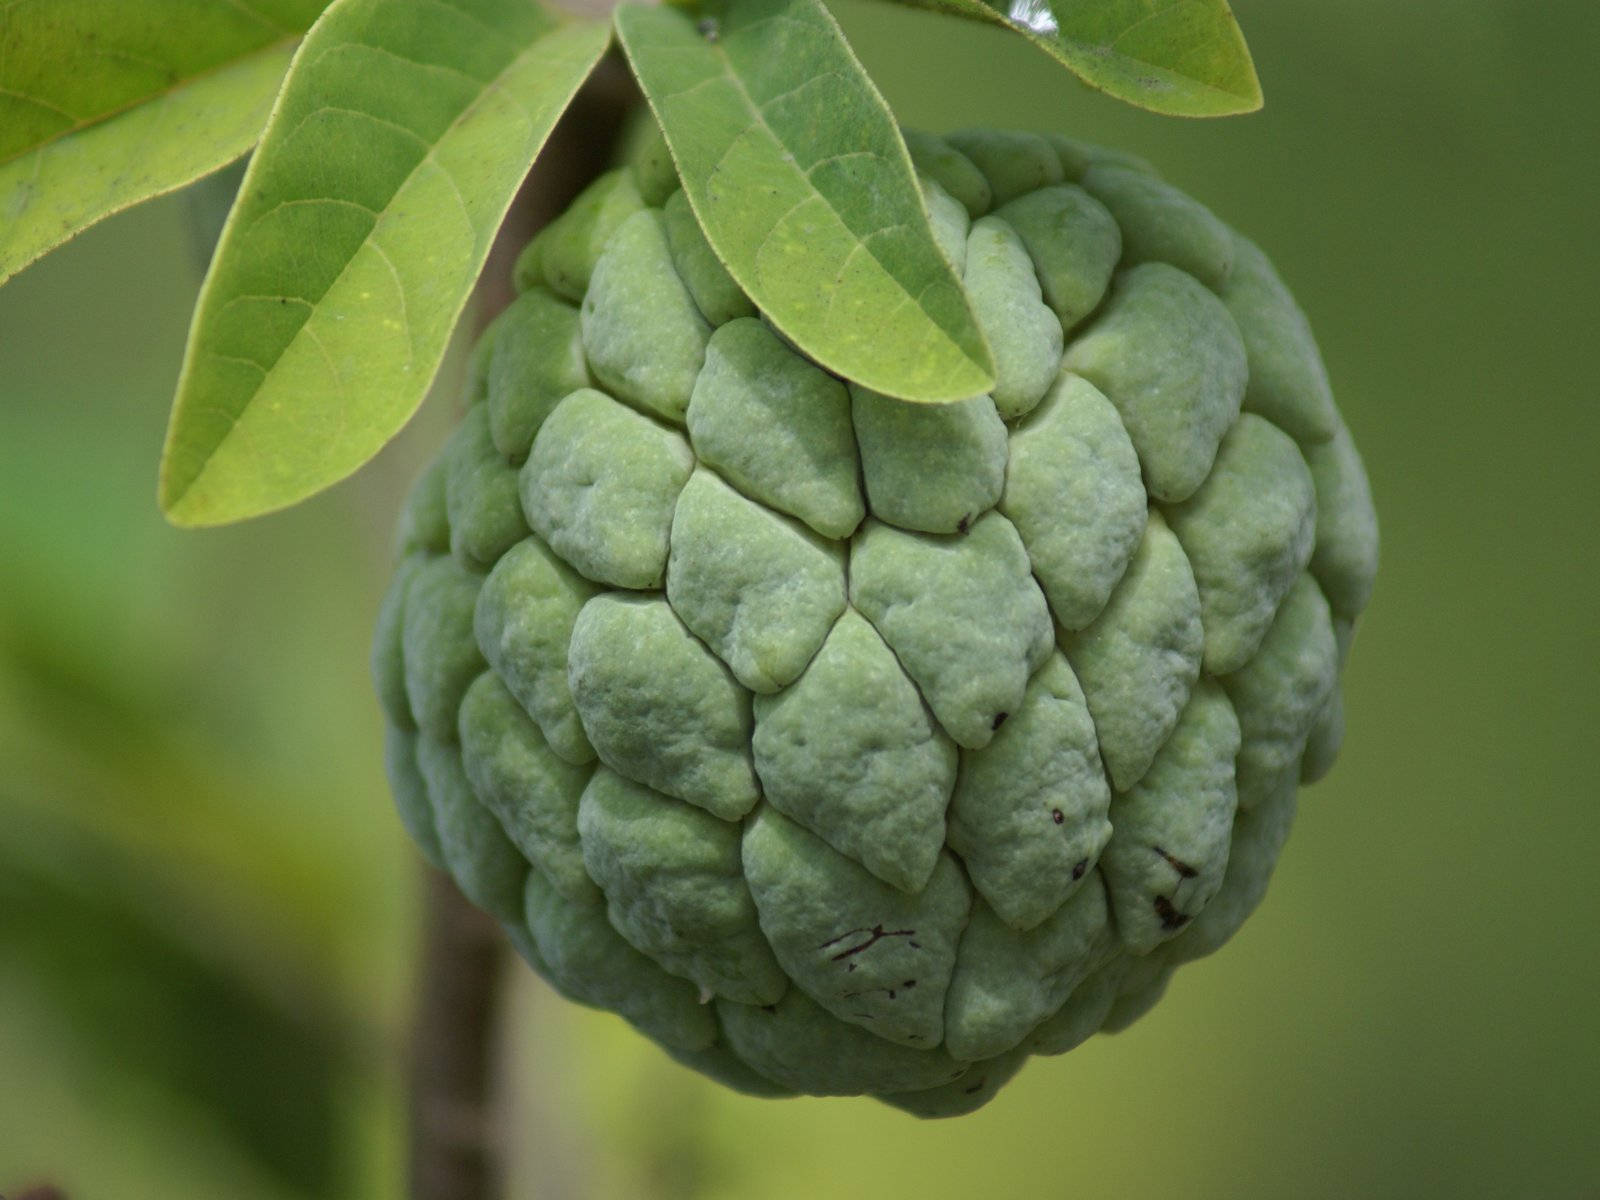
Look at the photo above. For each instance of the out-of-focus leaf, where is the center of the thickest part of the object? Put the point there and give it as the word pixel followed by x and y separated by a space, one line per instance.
pixel 1185 58
pixel 104 103
pixel 793 164
pixel 143 1007
pixel 401 136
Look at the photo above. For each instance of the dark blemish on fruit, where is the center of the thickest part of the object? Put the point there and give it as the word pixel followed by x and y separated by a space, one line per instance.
pixel 915 945
pixel 977 1087
pixel 874 935
pixel 1171 918
pixel 1079 867
pixel 892 992
pixel 999 720
pixel 1057 816
pixel 1177 864
pixel 707 28
pixel 770 1008
pixel 964 524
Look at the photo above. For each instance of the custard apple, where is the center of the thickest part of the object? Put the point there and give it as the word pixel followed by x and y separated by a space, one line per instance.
pixel 848 745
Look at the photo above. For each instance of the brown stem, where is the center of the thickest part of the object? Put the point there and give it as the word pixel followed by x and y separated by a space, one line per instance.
pixel 462 964
pixel 463 957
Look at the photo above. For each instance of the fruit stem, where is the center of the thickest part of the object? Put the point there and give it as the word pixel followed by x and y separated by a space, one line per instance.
pixel 462 966
pixel 452 1130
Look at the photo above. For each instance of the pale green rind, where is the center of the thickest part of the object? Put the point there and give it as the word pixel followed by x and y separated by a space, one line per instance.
pixel 1028 815
pixel 850 752
pixel 1280 693
pixel 1007 982
pixel 1074 244
pixel 565 252
pixel 480 494
pixel 951 170
pixel 474 847
pixel 424 525
pixel 644 337
pixel 715 293
pixel 802 1047
pixel 437 647
pixel 963 615
pixel 1143 988
pixel 868 953
pixel 1166 858
pixel 777 428
pixel 387 660
pixel 932 468
pixel 1077 157
pixel 644 150
pixel 675 888
pixel 950 224
pixel 1140 657
pixel 657 705
pixel 1074 493
pixel 1015 163
pixel 1183 59
pixel 600 485
pixel 1345 559
pixel 537 361
pixel 1248 533
pixel 588 961
pixel 103 106
pixel 1024 334
pixel 522 624
pixel 1165 351
pixel 760 589
pixel 1084 1012
pixel 975 1087
pixel 410 791
pixel 333 291
pixel 532 791
pixel 1324 740
pixel 1288 383
pixel 799 178
pixel 1259 834
pixel 1162 224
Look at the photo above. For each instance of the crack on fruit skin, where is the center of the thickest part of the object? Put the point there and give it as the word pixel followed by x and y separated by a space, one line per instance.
pixel 1185 870
pixel 874 935
pixel 892 992
pixel 999 720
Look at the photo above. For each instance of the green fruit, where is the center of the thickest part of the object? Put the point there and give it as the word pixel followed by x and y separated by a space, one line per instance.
pixel 847 745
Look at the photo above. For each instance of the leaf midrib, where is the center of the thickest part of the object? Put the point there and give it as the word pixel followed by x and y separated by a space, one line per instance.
pixel 172 88
pixel 860 242
pixel 488 88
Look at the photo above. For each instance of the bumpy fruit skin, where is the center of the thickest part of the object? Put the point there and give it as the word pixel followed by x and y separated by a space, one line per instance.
pixel 845 745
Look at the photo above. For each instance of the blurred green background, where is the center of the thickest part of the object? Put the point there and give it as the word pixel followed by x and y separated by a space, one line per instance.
pixel 208 914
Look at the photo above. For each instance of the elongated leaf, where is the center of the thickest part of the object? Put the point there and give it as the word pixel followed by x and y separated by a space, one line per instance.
pixel 403 131
pixel 104 103
pixel 792 162
pixel 1185 58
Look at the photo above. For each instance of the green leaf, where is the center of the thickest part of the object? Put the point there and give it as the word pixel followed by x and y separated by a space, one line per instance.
pixel 104 104
pixel 401 136
pixel 794 167
pixel 1184 58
